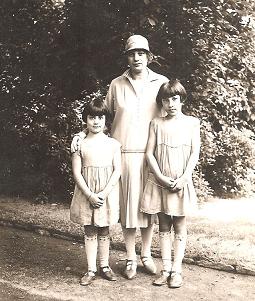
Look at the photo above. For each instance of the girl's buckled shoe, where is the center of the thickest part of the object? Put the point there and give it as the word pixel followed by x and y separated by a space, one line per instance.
pixel 175 280
pixel 107 273
pixel 162 279
pixel 88 278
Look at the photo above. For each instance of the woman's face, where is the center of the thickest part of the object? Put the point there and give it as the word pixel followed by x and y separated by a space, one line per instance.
pixel 137 60
pixel 172 105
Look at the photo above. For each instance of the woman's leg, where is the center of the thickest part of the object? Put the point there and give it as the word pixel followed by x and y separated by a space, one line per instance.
pixel 146 234
pixel 180 238
pixel 129 237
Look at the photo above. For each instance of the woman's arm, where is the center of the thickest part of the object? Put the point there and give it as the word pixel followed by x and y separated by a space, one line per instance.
pixel 81 183
pixel 76 142
pixel 153 164
pixel 115 175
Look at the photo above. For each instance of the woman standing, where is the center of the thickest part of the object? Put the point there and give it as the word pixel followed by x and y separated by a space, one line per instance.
pixel 132 100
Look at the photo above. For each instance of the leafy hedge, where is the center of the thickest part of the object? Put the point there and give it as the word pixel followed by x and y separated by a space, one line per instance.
pixel 55 55
pixel 233 169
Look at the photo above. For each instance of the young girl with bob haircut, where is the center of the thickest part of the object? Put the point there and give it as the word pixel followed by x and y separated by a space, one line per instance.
pixel 95 204
pixel 172 153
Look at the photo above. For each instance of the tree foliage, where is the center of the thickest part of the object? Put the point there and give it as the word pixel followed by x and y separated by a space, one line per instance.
pixel 36 117
pixel 56 54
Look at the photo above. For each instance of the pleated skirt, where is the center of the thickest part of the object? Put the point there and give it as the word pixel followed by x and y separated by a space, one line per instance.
pixel 82 212
pixel 133 179
pixel 159 199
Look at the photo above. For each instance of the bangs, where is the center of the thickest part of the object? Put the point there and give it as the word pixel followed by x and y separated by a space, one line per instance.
pixel 95 107
pixel 96 111
pixel 170 89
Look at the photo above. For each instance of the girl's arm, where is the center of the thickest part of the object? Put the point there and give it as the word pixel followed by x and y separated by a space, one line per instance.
pixel 153 164
pixel 193 159
pixel 80 182
pixel 114 177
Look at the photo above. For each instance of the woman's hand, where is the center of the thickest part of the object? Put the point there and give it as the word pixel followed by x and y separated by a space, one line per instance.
pixel 76 142
pixel 95 200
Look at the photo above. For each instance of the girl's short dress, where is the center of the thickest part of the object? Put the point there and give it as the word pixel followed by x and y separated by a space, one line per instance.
pixel 172 153
pixel 96 176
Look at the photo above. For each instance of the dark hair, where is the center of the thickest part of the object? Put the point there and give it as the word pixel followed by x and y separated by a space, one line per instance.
pixel 169 89
pixel 96 107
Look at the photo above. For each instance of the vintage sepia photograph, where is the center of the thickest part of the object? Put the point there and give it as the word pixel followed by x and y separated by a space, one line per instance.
pixel 127 138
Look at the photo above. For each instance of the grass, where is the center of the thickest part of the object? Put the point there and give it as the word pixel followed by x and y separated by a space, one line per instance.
pixel 224 229
pixel 221 232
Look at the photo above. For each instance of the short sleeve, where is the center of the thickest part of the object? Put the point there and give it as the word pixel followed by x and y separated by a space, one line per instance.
pixel 79 151
pixel 109 100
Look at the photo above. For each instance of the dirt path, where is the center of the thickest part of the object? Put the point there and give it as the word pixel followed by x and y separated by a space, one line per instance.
pixel 48 268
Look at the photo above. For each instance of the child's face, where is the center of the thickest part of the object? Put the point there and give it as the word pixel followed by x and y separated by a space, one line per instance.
pixel 172 105
pixel 96 124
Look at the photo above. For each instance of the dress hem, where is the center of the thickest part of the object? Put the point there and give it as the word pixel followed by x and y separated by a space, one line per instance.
pixel 159 211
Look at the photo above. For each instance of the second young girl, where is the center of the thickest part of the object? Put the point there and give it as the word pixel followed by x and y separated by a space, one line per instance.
pixel 172 153
pixel 95 204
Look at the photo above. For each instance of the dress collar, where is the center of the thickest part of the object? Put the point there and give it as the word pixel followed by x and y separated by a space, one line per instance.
pixel 151 75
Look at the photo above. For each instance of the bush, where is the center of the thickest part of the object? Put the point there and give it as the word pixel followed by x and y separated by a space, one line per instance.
pixel 202 187
pixel 232 173
pixel 56 54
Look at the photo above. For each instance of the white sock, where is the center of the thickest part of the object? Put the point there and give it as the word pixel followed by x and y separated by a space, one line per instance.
pixel 91 252
pixel 179 250
pixel 146 234
pixel 103 250
pixel 129 237
pixel 165 246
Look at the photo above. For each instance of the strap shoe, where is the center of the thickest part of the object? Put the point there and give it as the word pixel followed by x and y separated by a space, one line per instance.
pixel 130 270
pixel 107 273
pixel 162 279
pixel 149 265
pixel 88 278
pixel 175 280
